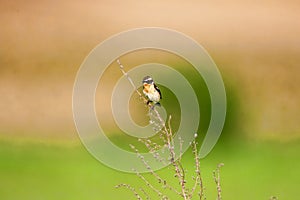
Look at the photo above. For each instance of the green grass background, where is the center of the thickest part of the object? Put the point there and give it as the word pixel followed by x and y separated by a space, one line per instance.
pixel 35 170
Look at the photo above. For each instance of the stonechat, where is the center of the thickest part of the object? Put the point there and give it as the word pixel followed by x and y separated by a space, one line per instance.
pixel 151 91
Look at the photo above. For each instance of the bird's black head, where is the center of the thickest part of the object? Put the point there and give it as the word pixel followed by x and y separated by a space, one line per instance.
pixel 148 80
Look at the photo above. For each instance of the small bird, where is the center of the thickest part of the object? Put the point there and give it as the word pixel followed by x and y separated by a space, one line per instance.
pixel 151 91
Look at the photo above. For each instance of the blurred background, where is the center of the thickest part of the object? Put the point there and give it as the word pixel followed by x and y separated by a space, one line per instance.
pixel 255 44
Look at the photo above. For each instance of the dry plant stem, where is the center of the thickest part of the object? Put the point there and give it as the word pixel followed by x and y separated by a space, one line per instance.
pixel 126 75
pixel 141 96
pixel 159 179
pixel 130 188
pixel 145 193
pixel 198 180
pixel 162 134
pixel 166 131
pixel 170 133
pixel 181 176
pixel 130 80
pixel 216 175
pixel 178 167
pixel 153 147
pixel 150 185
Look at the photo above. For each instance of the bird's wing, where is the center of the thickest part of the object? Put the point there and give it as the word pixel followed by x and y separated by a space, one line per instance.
pixel 158 90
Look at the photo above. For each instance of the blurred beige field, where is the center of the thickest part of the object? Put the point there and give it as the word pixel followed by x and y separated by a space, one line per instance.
pixel 256 46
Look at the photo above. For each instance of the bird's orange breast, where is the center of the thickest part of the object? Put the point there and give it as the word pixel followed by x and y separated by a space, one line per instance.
pixel 146 87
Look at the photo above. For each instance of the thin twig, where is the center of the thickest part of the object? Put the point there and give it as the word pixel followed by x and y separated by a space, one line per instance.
pixel 159 179
pixel 170 143
pixel 130 188
pixel 159 193
pixel 153 149
pixel 198 179
pixel 180 174
pixel 129 79
pixel 145 193
pixel 216 174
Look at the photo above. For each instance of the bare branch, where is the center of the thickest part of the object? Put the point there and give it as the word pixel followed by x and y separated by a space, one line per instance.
pixel 216 174
pixel 198 179
pixel 130 188
pixel 130 80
